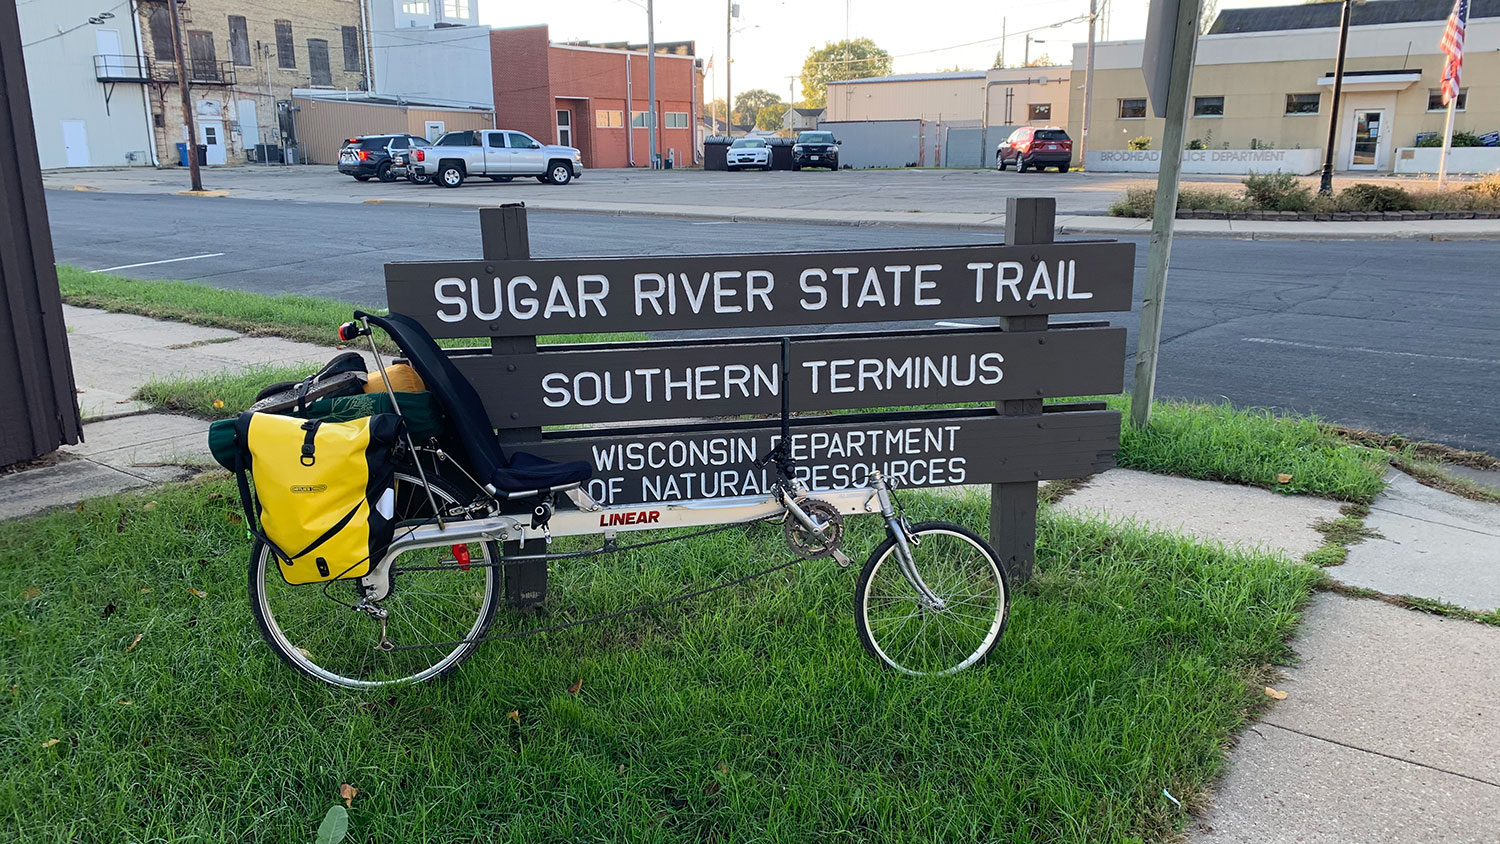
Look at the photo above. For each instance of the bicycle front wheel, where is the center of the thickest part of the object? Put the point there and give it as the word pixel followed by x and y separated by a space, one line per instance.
pixel 914 634
pixel 432 616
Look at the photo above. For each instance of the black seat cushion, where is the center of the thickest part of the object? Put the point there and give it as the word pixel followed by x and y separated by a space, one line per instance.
pixel 464 409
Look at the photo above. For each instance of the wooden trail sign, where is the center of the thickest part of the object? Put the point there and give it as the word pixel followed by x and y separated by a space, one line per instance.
pixel 682 385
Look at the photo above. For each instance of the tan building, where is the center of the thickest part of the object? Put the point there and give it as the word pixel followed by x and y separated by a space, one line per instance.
pixel 243 60
pixel 1263 80
pixel 1017 96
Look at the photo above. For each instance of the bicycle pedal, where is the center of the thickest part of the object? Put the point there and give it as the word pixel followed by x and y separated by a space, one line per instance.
pixel 842 559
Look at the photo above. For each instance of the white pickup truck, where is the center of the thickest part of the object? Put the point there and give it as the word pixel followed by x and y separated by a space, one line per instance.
pixel 499 154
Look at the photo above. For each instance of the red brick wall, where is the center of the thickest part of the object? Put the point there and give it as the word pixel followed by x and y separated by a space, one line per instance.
pixel 599 76
pixel 518 66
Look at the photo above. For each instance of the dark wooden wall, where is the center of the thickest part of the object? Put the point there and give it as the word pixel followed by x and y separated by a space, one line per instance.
pixel 38 403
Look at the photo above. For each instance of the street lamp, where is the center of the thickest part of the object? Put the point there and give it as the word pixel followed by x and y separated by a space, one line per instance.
pixel 1325 185
pixel 1027 54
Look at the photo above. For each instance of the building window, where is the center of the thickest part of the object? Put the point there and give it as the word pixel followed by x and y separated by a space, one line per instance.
pixel 239 41
pixel 415 7
pixel 161 34
pixel 1038 112
pixel 1435 99
pixel 607 119
pixel 677 120
pixel 1133 109
pixel 455 9
pixel 1208 106
pixel 317 59
pixel 1302 103
pixel 638 119
pixel 286 57
pixel 351 47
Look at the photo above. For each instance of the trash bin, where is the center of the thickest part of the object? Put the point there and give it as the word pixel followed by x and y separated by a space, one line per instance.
pixel 781 153
pixel 202 154
pixel 716 153
pixel 182 157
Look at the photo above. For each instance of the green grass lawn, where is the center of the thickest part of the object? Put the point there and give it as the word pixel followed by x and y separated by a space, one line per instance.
pixel 749 715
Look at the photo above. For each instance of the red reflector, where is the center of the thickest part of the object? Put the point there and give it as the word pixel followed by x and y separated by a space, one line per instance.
pixel 461 554
pixel 364 155
pixel 421 156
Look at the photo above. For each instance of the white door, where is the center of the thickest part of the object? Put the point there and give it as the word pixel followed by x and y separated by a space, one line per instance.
pixel 1369 139
pixel 249 126
pixel 75 143
pixel 211 135
pixel 107 47
pixel 564 127
pixel 434 130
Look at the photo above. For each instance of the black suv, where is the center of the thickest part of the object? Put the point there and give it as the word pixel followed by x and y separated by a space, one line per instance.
pixel 370 155
pixel 815 149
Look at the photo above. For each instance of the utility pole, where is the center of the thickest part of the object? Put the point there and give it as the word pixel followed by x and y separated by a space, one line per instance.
pixel 1159 257
pixel 1325 185
pixel 187 101
pixel 1088 85
pixel 1002 42
pixel 728 70
pixel 651 81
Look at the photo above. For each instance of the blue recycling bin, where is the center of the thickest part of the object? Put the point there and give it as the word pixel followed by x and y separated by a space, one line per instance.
pixel 182 157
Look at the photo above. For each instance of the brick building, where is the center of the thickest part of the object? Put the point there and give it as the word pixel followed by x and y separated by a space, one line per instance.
pixel 576 95
pixel 243 60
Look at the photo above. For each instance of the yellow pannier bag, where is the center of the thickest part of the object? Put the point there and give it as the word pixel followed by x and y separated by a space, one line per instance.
pixel 323 491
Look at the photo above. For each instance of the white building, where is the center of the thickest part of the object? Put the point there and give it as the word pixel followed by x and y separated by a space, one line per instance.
pixel 434 51
pixel 87 84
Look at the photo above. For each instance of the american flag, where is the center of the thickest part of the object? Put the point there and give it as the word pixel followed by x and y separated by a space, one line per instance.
pixel 1453 47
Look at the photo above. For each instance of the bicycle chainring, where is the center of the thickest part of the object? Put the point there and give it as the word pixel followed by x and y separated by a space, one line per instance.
pixel 808 544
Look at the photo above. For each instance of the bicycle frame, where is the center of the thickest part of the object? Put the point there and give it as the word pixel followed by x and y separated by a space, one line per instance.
pixel 592 518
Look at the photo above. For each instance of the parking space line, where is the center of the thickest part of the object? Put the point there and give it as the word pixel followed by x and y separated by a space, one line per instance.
pixel 957 325
pixel 164 261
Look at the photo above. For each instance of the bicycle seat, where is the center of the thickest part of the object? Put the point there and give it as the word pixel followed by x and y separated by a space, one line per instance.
pixel 520 472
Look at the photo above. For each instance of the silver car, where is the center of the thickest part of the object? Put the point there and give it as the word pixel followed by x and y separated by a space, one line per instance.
pixel 498 154
pixel 749 152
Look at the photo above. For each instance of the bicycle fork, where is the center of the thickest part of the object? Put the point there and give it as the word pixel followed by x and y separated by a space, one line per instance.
pixel 896 527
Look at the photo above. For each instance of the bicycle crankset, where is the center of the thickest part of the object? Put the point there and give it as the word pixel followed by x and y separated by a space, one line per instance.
pixel 808 543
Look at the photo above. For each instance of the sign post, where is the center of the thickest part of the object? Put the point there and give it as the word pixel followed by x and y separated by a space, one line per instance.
pixel 1171 43
pixel 710 396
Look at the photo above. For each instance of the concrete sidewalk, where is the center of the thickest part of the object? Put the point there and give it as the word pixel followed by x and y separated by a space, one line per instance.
pixel 126 444
pixel 1389 728
pixel 941 199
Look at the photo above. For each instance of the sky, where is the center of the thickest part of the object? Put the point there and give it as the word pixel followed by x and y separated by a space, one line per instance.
pixel 773 37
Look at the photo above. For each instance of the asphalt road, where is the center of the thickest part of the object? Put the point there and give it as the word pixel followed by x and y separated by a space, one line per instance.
pixel 1390 336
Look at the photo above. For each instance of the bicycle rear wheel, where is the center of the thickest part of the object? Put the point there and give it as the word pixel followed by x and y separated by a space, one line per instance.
pixel 330 642
pixel 910 634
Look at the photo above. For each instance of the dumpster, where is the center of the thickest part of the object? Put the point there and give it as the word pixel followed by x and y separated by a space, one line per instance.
pixel 781 153
pixel 716 153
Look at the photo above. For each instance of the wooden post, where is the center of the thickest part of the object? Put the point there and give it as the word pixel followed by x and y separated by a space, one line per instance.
pixel 505 236
pixel 38 402
pixel 1028 220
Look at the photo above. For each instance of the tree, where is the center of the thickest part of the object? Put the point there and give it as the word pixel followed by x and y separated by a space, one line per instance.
pixel 1206 15
pixel 772 116
pixel 747 104
pixel 837 61
pixel 716 109
pixel 999 61
pixel 1043 60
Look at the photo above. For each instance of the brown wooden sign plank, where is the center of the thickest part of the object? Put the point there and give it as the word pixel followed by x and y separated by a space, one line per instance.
pixel 624 383
pixel 918 449
pixel 705 292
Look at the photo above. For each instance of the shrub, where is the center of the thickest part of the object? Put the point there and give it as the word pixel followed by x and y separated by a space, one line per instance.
pixel 1365 197
pixel 1142 142
pixel 1277 192
pixel 1140 202
pixel 1460 139
pixel 1486 188
pixel 1137 202
pixel 1196 143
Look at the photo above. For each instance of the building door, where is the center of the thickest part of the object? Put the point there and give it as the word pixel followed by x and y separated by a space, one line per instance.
pixel 211 135
pixel 203 63
pixel 111 60
pixel 434 129
pixel 1364 154
pixel 75 143
pixel 249 125
pixel 564 127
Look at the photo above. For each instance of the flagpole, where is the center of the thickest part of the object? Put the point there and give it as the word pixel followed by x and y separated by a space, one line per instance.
pixel 1447 142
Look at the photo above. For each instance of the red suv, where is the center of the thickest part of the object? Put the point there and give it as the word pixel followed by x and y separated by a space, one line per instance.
pixel 1032 147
